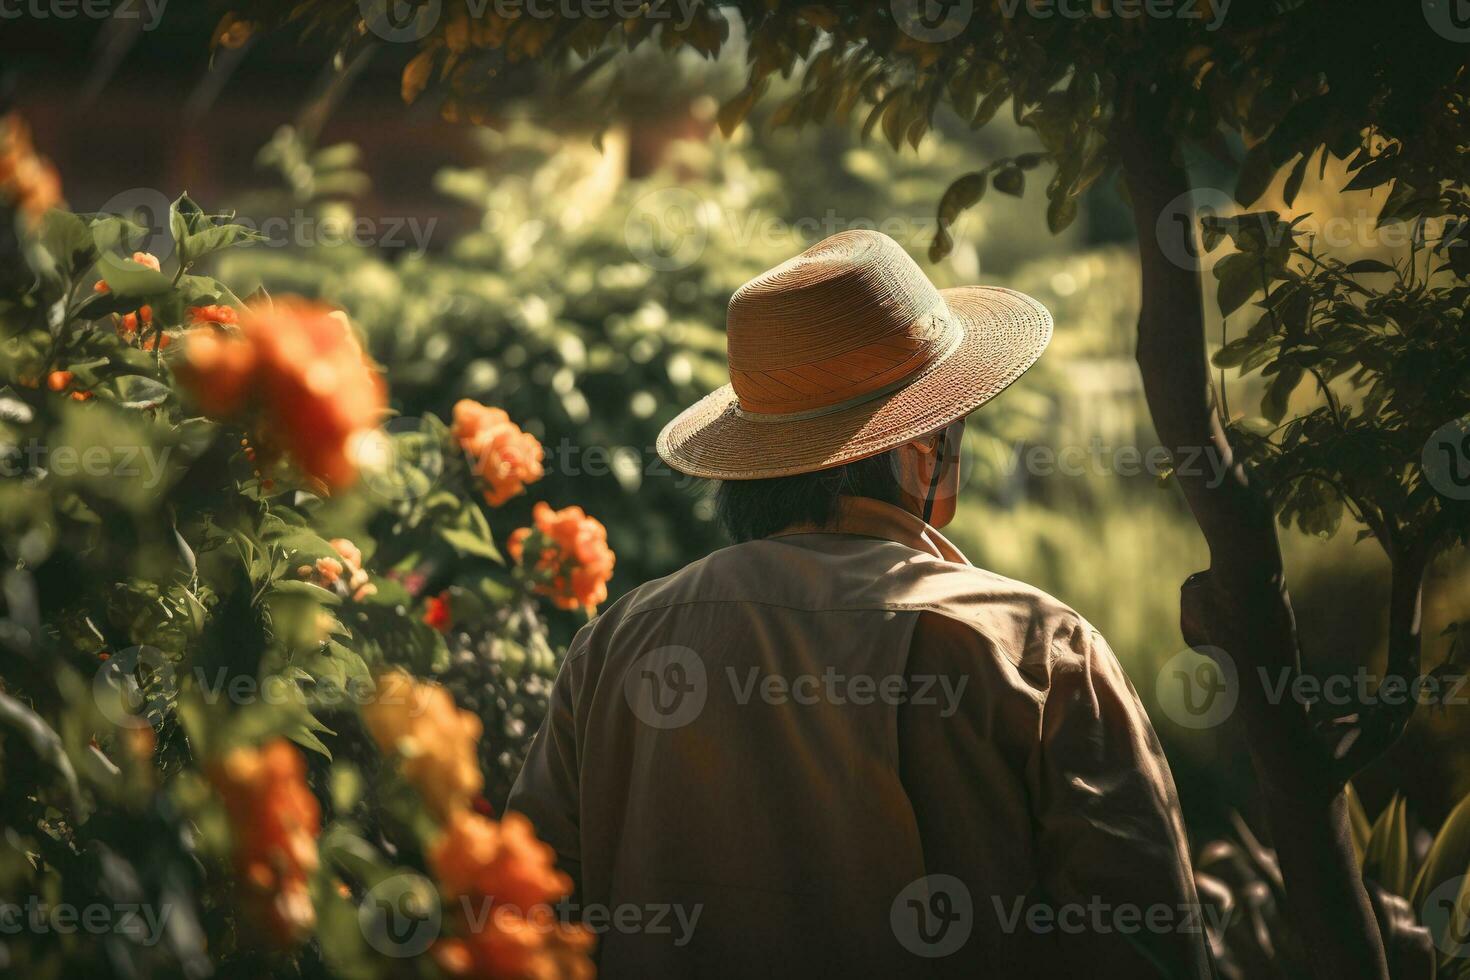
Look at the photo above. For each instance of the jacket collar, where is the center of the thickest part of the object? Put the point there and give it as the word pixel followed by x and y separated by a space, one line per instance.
pixel 870 518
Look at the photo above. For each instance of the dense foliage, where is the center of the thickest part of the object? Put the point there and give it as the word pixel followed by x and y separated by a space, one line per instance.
pixel 233 603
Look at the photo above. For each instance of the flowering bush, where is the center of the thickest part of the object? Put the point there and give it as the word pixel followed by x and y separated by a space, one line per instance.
pixel 222 610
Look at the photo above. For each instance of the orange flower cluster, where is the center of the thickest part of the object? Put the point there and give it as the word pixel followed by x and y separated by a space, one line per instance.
pixel 275 821
pixel 127 325
pixel 345 576
pixel 572 560
pixel 475 857
pixel 505 865
pixel 62 380
pixel 505 458
pixel 225 316
pixel 433 740
pixel 27 180
pixel 300 367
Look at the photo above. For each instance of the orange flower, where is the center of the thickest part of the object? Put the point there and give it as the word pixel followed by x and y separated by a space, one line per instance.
pixel 572 560
pixel 59 380
pixel 505 865
pixel 27 180
pixel 329 570
pixel 218 369
pixel 214 313
pixel 435 742
pixel 343 574
pixel 505 458
pixel 300 367
pixel 275 821
pixel 233 31
pixel 436 613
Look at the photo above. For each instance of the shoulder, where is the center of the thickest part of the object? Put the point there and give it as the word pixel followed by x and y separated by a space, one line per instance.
pixel 966 607
pixel 670 590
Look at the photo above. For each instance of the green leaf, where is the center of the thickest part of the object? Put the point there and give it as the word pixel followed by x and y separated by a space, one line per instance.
pixel 1386 858
pixel 136 391
pixel 198 234
pixel 45 745
pixel 1294 179
pixel 309 590
pixel 69 241
pixel 218 238
pixel 115 233
pixel 1234 353
pixel 1448 857
pixel 1278 392
pixel 469 543
pixel 128 278
pixel 1010 180
pixel 961 194
pixel 1357 822
pixel 1240 278
pixel 1363 266
pixel 1060 213
pixel 1256 171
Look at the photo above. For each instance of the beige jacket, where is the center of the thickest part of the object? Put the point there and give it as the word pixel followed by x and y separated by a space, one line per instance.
pixel 851 753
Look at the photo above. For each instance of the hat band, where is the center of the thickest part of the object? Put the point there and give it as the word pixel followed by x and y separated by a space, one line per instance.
pixel 954 334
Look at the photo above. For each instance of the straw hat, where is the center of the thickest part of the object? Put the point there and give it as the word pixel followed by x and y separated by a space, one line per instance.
pixel 846 351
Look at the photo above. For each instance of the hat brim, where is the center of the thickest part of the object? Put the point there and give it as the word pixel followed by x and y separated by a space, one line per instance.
pixel 1003 334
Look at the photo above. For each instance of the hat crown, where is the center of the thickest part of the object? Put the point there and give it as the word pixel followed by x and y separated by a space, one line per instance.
pixel 845 319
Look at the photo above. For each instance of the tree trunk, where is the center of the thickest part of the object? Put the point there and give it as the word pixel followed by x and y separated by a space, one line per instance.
pixel 1241 603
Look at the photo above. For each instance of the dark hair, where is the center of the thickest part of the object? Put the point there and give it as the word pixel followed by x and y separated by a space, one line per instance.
pixel 750 509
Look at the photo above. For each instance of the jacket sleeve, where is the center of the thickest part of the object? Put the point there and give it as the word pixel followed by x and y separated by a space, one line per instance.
pixel 1110 833
pixel 547 789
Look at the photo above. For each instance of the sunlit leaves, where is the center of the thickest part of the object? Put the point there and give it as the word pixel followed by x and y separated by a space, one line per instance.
pixel 1377 346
